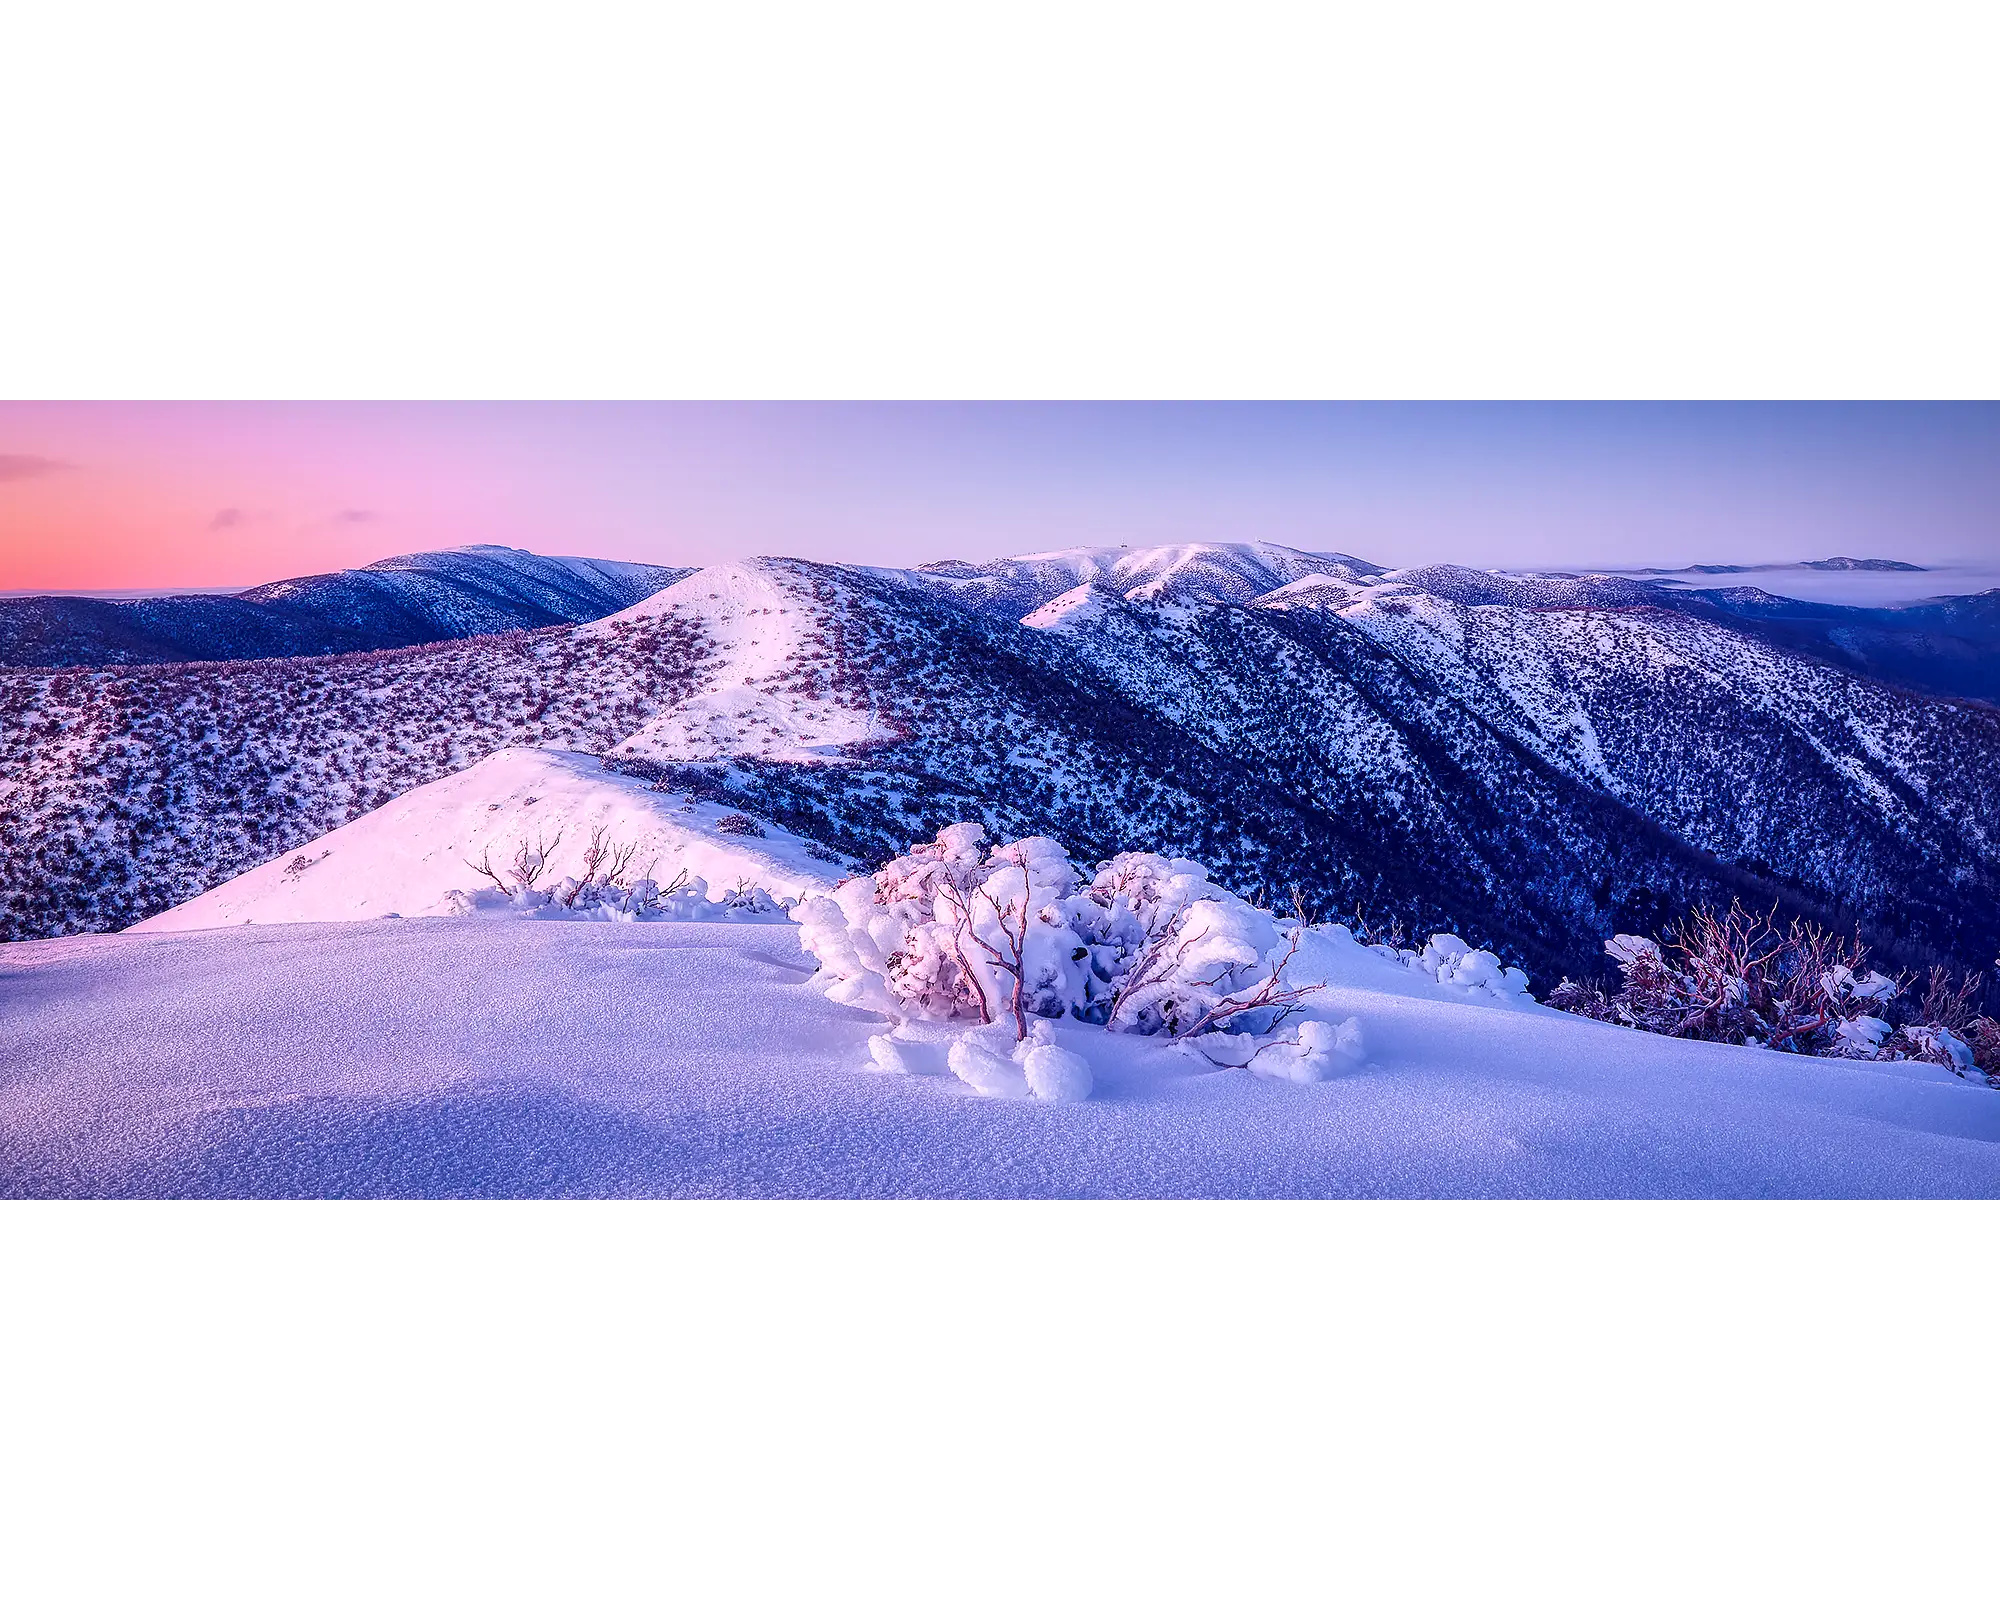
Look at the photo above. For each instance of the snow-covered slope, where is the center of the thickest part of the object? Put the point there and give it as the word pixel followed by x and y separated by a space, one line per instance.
pixel 1518 760
pixel 127 790
pixel 506 1057
pixel 760 626
pixel 1534 764
pixel 1869 796
pixel 406 857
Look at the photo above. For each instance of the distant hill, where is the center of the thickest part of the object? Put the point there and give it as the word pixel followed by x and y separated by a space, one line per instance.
pixel 1830 564
pixel 405 600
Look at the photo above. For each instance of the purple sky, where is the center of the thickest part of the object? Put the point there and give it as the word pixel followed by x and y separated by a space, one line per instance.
pixel 132 495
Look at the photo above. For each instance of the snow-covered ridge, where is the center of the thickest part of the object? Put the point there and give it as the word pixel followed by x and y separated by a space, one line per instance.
pixel 412 855
pixel 763 626
pixel 1173 573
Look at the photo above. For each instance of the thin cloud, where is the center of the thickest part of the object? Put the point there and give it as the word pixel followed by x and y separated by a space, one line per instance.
pixel 228 517
pixel 357 516
pixel 18 469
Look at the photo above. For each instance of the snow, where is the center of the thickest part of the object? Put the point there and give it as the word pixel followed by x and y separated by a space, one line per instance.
pixel 1053 1072
pixel 986 1072
pixel 503 1057
pixel 1234 573
pixel 1086 603
pixel 406 858
pixel 760 627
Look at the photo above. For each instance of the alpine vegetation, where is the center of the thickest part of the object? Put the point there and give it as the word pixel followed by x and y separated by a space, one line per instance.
pixel 983 949
pixel 1738 977
pixel 606 892
pixel 1535 764
pixel 954 931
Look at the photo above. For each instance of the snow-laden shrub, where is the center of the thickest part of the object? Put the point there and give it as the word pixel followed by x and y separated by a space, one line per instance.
pixel 603 893
pixel 957 931
pixel 1317 1050
pixel 1737 977
pixel 1940 1045
pixel 1456 965
pixel 684 900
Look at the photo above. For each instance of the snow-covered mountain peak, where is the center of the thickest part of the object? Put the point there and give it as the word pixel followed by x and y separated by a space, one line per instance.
pixel 1472 586
pixel 726 594
pixel 421 598
pixel 1167 573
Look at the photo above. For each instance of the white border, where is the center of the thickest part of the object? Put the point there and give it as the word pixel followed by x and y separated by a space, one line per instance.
pixel 422 200
pixel 1634 1399
pixel 1722 198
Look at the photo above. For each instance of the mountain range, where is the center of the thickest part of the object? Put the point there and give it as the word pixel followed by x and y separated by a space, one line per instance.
pixel 413 599
pixel 1533 763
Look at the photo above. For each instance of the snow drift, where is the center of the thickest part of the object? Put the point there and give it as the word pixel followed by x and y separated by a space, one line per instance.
pixel 511 1057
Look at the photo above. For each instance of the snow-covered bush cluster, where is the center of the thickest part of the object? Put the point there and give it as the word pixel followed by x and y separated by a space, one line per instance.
pixel 1738 978
pixel 683 900
pixel 995 944
pixel 958 931
pixel 988 1059
pixel 605 892
pixel 1456 965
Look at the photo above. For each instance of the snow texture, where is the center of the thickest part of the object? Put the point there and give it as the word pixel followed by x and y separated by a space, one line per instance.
pixel 456 1057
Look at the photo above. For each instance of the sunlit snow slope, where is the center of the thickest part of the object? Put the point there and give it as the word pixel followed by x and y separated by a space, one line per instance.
pixel 405 858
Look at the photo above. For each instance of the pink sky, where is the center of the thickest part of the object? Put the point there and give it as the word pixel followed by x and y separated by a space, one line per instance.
pixel 128 496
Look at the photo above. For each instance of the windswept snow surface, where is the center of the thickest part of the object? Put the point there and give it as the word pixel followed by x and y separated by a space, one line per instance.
pixel 520 1058
pixel 403 859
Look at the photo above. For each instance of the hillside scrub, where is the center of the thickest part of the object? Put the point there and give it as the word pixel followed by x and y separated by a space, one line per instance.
pixel 607 892
pixel 1738 977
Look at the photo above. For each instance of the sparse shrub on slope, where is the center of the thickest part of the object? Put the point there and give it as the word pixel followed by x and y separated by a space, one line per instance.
pixel 1738 977
pixel 606 892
